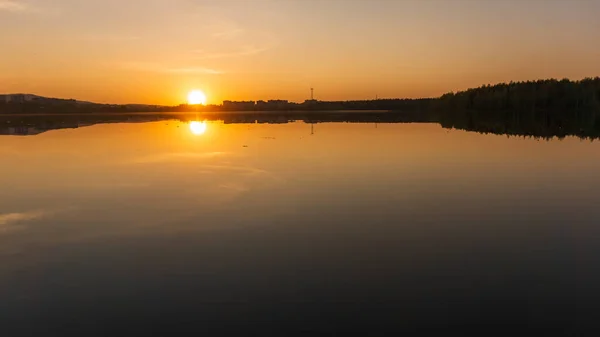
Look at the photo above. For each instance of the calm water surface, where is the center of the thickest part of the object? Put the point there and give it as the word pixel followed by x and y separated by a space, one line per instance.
pixel 257 229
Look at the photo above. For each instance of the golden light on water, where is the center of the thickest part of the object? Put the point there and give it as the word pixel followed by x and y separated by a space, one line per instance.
pixel 198 128
pixel 196 97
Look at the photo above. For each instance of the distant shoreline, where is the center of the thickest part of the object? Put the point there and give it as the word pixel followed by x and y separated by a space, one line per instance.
pixel 274 112
pixel 552 103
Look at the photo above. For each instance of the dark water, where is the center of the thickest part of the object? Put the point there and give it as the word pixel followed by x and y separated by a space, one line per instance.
pixel 261 229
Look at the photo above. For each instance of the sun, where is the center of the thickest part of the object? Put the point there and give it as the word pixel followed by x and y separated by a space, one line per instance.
pixel 196 97
pixel 198 128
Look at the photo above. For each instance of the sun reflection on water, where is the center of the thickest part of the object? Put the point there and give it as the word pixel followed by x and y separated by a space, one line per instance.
pixel 198 128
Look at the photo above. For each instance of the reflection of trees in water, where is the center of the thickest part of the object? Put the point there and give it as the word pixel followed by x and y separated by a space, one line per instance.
pixel 18 124
pixel 538 124
pixel 35 124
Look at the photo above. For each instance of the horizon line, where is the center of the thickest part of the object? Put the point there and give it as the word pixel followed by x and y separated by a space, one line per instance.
pixel 306 100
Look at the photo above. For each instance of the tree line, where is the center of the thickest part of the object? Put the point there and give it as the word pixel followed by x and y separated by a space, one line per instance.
pixel 543 108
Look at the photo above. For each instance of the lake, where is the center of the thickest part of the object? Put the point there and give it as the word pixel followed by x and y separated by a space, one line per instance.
pixel 166 228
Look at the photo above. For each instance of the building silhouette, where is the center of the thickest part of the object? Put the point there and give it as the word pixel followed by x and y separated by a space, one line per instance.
pixel 238 105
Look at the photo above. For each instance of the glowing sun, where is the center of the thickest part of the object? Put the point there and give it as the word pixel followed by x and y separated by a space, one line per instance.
pixel 196 97
pixel 198 128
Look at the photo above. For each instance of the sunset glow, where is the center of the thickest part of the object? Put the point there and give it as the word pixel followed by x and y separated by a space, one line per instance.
pixel 346 50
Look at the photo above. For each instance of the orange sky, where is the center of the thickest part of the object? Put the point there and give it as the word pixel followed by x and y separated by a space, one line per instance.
pixel 155 51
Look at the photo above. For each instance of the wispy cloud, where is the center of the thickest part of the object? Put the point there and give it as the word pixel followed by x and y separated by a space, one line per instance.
pixel 19 6
pixel 108 37
pixel 235 187
pixel 193 70
pixel 13 6
pixel 203 55
pixel 9 220
pixel 160 68
pixel 228 34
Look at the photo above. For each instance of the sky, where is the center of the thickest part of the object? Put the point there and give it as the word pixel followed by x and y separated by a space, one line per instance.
pixel 156 51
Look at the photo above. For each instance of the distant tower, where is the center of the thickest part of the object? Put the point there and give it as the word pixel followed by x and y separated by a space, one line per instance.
pixel 312 94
